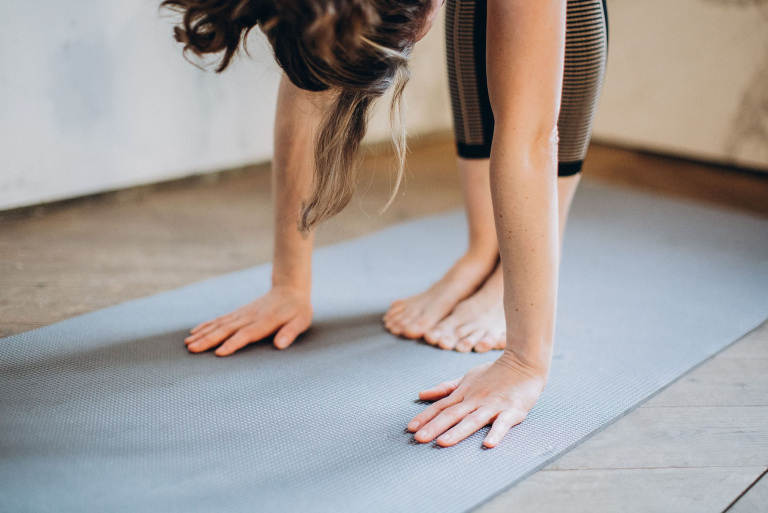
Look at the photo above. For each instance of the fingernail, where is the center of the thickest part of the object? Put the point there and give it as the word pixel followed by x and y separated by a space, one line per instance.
pixel 446 438
pixel 491 440
pixel 414 425
pixel 421 434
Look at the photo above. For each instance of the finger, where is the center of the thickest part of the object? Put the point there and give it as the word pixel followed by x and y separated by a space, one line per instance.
pixel 471 423
pixel 447 418
pixel 202 333
pixel 432 411
pixel 212 339
pixel 288 333
pixel 201 326
pixel 439 391
pixel 218 320
pixel 503 423
pixel 214 325
pixel 244 336
pixel 204 325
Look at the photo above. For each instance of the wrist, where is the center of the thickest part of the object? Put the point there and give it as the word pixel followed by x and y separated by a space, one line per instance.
pixel 536 365
pixel 301 284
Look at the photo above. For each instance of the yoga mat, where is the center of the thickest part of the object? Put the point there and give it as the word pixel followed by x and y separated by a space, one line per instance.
pixel 109 412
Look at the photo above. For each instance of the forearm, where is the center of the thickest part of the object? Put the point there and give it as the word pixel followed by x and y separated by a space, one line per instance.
pixel 526 45
pixel 296 122
pixel 524 189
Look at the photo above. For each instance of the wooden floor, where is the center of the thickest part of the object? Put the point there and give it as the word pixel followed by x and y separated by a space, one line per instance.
pixel 701 445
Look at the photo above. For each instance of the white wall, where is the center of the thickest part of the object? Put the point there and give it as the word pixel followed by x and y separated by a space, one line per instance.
pixel 96 96
pixel 688 77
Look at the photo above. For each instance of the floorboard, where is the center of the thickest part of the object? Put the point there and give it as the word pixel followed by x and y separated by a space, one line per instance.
pixel 673 490
pixel 693 436
pixel 755 499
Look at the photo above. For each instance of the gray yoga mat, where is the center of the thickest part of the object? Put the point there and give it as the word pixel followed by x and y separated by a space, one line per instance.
pixel 108 411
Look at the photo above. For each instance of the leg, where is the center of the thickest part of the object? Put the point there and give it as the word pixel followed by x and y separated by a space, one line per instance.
pixel 478 322
pixel 413 316
pixel 473 127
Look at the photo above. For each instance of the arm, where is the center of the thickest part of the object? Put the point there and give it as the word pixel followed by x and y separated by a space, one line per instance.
pixel 525 77
pixel 525 53
pixel 295 123
pixel 285 310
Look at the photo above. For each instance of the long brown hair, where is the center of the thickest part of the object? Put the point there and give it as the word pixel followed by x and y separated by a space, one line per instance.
pixel 357 48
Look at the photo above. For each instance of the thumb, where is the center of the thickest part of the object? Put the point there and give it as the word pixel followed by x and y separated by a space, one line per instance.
pixel 287 334
pixel 444 389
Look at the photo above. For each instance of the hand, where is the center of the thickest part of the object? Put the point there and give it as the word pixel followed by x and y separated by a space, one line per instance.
pixel 284 311
pixel 499 393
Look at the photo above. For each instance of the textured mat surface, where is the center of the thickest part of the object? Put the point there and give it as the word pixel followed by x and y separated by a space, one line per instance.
pixel 108 411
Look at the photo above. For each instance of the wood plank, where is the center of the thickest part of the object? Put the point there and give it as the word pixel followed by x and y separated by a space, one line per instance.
pixel 719 382
pixel 673 490
pixel 720 436
pixel 717 185
pixel 85 255
pixel 755 500
pixel 754 345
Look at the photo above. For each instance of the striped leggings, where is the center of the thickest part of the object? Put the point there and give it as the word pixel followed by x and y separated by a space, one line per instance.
pixel 585 57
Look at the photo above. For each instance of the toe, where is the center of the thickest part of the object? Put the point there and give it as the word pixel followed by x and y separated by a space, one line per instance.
pixel 432 336
pixel 415 328
pixel 396 306
pixel 465 344
pixel 447 340
pixel 394 326
pixel 471 338
pixel 394 311
pixel 466 330
pixel 501 341
pixel 483 346
pixel 397 322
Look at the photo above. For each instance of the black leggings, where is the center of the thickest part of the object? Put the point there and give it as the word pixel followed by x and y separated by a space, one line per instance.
pixel 586 48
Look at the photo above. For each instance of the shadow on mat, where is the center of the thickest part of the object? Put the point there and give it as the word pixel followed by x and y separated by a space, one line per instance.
pixel 168 348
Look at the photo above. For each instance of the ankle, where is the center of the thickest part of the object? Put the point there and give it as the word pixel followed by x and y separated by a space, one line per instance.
pixel 483 253
pixel 476 264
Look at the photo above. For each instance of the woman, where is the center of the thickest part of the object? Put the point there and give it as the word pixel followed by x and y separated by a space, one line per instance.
pixel 509 98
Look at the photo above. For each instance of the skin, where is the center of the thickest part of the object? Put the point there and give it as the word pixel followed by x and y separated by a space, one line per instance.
pixel 464 310
pixel 525 53
pixel 285 310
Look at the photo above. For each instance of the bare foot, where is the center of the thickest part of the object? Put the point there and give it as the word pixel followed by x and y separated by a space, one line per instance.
pixel 477 322
pixel 414 316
